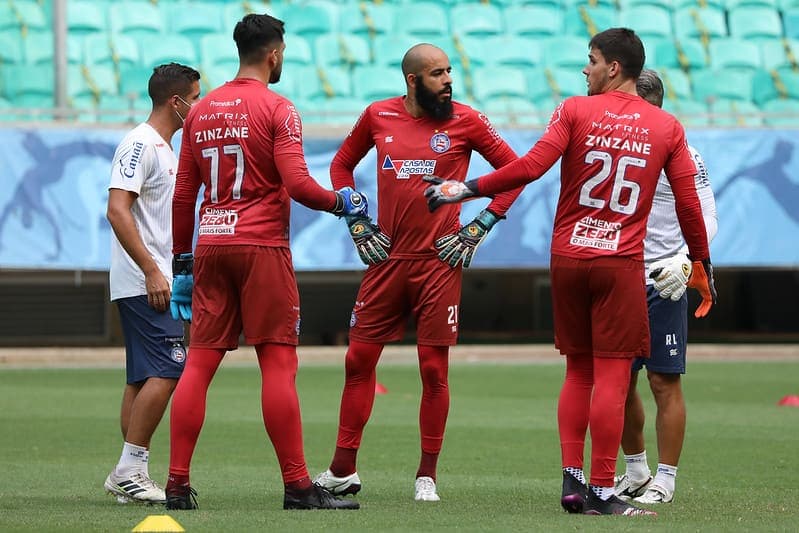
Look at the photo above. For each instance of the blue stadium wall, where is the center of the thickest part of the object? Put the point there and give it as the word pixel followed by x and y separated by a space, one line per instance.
pixel 53 231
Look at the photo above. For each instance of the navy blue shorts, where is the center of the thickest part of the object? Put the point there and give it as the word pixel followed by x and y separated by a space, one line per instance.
pixel 153 341
pixel 668 332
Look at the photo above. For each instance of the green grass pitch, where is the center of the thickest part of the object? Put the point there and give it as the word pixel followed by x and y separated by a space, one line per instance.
pixel 499 470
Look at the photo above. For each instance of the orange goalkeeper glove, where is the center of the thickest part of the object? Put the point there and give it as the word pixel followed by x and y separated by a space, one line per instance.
pixel 702 280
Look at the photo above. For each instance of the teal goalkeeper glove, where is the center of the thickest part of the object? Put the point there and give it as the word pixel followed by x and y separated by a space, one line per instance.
pixel 372 244
pixel 462 245
pixel 182 285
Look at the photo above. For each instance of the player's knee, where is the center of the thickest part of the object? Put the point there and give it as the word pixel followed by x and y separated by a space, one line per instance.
pixel 664 384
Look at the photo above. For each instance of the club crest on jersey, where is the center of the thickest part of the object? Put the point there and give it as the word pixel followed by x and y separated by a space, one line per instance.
pixel 440 142
pixel 178 350
pixel 405 168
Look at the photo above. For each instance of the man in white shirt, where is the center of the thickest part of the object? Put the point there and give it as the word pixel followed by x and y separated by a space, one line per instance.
pixel 143 174
pixel 668 269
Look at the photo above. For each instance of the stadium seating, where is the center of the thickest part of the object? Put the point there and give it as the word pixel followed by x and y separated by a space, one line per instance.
pixel 194 19
pixel 780 53
pixel 734 53
pixel 755 23
pixel 648 21
pixel 367 19
pixel 423 20
pixel 39 50
pixel 676 84
pixel 780 112
pixel 115 50
pixel 476 19
pixel 685 54
pixel 790 19
pixel 734 113
pixel 10 49
pixel 565 51
pixel 700 23
pixel 512 110
pixel 218 49
pixel 298 51
pixel 140 20
pixel 310 20
pixel 494 82
pixel 166 49
pixel 689 112
pixel 377 82
pixel 585 20
pixel 389 49
pixel 85 17
pixel 709 85
pixel 341 49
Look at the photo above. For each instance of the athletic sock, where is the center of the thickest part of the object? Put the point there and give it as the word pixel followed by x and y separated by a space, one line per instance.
pixel 577 473
pixel 343 461
pixel 427 465
pixel 637 467
pixel 604 493
pixel 133 458
pixel 666 476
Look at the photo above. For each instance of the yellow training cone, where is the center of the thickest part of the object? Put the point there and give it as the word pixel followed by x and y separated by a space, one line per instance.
pixel 161 522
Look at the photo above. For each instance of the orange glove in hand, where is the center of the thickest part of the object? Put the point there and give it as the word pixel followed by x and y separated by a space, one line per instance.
pixel 702 280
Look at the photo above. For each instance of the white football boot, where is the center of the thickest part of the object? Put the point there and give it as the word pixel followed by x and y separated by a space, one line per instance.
pixel 339 485
pixel 627 489
pixel 425 490
pixel 134 486
pixel 655 494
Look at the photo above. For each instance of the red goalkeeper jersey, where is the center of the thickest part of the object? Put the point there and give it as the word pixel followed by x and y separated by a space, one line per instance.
pixel 243 142
pixel 407 149
pixel 613 147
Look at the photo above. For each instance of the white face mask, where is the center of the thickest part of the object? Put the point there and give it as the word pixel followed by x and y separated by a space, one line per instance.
pixel 181 117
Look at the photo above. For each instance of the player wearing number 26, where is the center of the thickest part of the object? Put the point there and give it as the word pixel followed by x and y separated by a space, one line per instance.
pixel 613 146
pixel 243 143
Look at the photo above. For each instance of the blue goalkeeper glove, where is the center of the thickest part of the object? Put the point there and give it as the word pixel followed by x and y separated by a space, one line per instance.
pixel 350 202
pixel 462 245
pixel 372 244
pixel 182 284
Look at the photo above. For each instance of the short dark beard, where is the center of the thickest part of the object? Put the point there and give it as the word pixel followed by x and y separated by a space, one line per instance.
pixel 430 103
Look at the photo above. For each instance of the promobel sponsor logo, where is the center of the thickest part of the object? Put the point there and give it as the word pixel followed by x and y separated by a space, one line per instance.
pixel 135 152
pixel 405 168
pixel 225 103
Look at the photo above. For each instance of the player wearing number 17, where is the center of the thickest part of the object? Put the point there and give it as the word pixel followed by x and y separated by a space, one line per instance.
pixel 613 146
pixel 243 142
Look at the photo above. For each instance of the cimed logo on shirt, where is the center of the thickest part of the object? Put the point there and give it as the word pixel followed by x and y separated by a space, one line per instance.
pixel 440 142
pixel 405 168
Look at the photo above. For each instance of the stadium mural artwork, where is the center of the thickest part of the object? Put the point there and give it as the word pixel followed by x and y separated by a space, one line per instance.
pixel 54 195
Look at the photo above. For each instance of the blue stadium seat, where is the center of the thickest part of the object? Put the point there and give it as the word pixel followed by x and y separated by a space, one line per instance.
pixel 495 82
pixel 567 82
pixel 774 85
pixel 690 112
pixel 85 17
pixel 735 113
pixel 734 54
pixel 373 82
pixel 367 19
pixel 676 84
pixel 213 77
pixel 732 4
pixel 476 19
pixel 692 22
pixel 533 20
pixel 389 49
pixel 28 84
pixel 585 20
pixel 25 15
pixel 781 112
pixel 429 20
pixel 755 23
pixel 715 4
pixel 323 82
pixel 103 49
pixel 341 49
pixel 10 49
pixel 648 21
pixel 83 82
pixel 780 53
pixel 39 49
pixel 166 49
pixel 310 20
pixel 141 20
pixel 134 80
pixel 341 110
pixel 298 50
pixel 709 85
pixel 668 5
pixel 515 51
pixel 218 49
pixel 790 18
pixel 513 111
pixel 233 12
pixel 565 51
pixel 195 19
pixel 687 54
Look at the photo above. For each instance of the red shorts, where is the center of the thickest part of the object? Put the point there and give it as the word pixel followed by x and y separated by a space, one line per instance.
pixel 599 306
pixel 392 291
pixel 244 288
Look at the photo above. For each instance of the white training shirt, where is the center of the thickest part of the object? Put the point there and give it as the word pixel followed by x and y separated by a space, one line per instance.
pixel 663 235
pixel 145 164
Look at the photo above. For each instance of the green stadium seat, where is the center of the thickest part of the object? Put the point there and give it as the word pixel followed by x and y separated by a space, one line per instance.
pixel 784 5
pixel 298 51
pixel 377 83
pixel 341 110
pixel 27 15
pixel 734 54
pixel 709 85
pixel 732 4
pixel 495 82
pixel 780 53
pixel 715 4
pixel 322 82
pixel 429 20
pixel 367 19
pixel 781 113
pixel 116 50
pixel 122 109
pixel 134 80
pixel 565 51
pixel 668 5
pixel 195 19
pixel 648 21
pixel 7 109
pixel 735 113
pixel 515 51
pixel 540 86
pixel 513 111
pixel 219 49
pixel 476 19
pixel 39 49
pixel 755 23
pixel 140 20
pixel 10 49
pixel 590 3
pixel 567 82
pixel 676 84
pixel 687 54
pixel 695 22
pixel 310 20
pixel 389 49
pixel 29 83
pixel 166 49
pixel 790 18
pixel 84 17
pixel 585 20
pixel 533 20
pixel 690 112
pixel 233 12
pixel 775 84
pixel 340 49
pixel 95 82
pixel 213 77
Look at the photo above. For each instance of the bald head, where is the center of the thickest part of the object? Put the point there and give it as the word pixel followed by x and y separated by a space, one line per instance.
pixel 649 86
pixel 418 56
